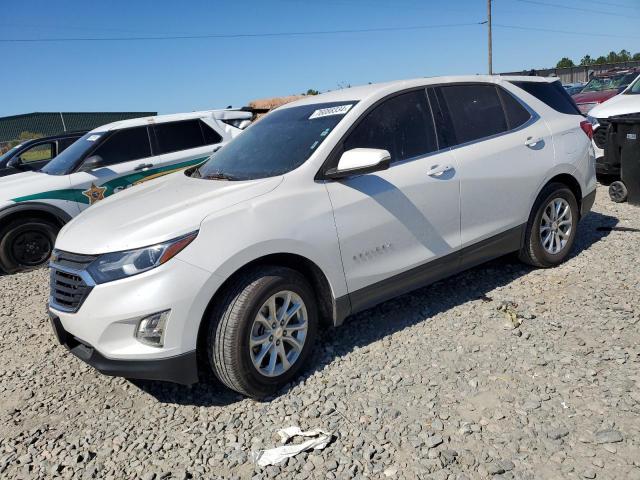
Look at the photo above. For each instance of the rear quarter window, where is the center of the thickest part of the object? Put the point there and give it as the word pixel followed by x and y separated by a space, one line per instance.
pixel 552 94
pixel 516 114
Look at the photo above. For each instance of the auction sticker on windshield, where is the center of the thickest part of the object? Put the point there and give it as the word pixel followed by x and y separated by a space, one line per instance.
pixel 327 112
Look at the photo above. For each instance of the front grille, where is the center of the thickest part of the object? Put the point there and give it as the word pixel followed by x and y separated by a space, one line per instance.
pixel 600 135
pixel 69 290
pixel 72 260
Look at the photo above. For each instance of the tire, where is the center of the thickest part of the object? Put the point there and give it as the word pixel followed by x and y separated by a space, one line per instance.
pixel 547 254
pixel 26 244
pixel 234 321
pixel 618 192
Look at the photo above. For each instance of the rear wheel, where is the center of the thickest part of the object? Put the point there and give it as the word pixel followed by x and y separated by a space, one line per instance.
pixel 262 332
pixel 551 230
pixel 26 244
pixel 618 192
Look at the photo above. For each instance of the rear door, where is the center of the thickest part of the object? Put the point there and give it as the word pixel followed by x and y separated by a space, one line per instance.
pixel 503 150
pixel 182 144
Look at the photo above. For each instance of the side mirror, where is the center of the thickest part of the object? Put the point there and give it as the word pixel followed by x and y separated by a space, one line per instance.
pixel 16 162
pixel 91 163
pixel 360 161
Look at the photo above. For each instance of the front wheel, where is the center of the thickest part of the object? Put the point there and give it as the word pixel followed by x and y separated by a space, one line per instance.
pixel 551 229
pixel 26 244
pixel 262 332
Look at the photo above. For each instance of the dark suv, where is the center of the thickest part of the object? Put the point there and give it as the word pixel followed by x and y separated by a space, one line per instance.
pixel 35 154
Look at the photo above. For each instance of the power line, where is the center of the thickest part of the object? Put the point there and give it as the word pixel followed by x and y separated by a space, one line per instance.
pixel 232 35
pixel 612 4
pixel 577 9
pixel 566 32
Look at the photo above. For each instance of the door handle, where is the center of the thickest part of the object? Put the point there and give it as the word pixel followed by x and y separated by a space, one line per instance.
pixel 532 142
pixel 439 170
pixel 143 166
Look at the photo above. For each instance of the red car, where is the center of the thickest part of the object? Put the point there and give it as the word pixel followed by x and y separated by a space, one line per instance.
pixel 604 86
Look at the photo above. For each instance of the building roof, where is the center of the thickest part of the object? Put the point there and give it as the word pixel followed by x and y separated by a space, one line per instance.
pixel 54 123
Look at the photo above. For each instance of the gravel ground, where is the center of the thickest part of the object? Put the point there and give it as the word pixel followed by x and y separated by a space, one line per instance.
pixel 503 372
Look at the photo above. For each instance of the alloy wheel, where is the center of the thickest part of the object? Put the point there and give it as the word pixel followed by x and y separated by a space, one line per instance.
pixel 278 333
pixel 556 225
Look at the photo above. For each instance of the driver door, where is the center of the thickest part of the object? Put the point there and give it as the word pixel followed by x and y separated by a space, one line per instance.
pixel 123 159
pixel 393 223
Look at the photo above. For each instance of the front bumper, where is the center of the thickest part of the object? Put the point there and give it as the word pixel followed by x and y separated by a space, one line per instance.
pixel 102 331
pixel 182 369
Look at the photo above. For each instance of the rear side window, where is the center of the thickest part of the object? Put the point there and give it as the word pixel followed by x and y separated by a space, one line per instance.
pixel 476 111
pixel 517 115
pixel 401 125
pixel 553 94
pixel 211 137
pixel 176 136
pixel 124 146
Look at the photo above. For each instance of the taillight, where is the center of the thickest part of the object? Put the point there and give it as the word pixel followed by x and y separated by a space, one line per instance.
pixel 587 128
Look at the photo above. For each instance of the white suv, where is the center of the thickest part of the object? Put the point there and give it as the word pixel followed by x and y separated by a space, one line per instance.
pixel 325 207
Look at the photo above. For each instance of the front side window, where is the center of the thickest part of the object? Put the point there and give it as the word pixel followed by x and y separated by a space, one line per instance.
pixel 476 111
pixel 123 146
pixel 38 153
pixel 177 136
pixel 276 144
pixel 66 162
pixel 402 125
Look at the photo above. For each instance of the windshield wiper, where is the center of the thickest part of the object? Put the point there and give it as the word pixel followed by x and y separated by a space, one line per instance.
pixel 218 176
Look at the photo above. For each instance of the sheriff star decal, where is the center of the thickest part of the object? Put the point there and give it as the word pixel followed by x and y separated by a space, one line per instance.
pixel 94 194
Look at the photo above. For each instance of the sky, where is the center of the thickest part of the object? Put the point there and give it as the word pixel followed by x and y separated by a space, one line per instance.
pixel 241 64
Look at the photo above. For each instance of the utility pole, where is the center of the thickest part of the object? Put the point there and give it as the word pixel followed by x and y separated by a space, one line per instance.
pixel 490 41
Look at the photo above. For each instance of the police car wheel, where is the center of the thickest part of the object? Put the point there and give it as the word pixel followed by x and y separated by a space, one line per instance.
pixel 618 192
pixel 26 243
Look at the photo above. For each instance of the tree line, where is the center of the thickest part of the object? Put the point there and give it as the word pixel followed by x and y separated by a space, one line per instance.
pixel 612 57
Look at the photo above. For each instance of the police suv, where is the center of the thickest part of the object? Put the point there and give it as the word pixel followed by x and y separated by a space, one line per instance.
pixel 34 205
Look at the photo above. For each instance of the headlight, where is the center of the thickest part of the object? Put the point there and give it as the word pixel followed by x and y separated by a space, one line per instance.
pixel 117 265
pixel 593 121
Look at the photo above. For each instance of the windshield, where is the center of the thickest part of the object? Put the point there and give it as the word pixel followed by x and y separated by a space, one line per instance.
pixel 64 163
pixel 609 83
pixel 277 144
pixel 6 155
pixel 635 88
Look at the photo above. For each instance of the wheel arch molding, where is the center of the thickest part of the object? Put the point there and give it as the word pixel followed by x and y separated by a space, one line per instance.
pixel 34 209
pixel 566 179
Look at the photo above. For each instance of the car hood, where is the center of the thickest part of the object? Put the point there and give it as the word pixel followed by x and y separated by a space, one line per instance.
pixel 27 186
pixel 154 212
pixel 590 97
pixel 618 105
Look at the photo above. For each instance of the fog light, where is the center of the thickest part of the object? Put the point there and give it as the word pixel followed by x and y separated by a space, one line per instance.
pixel 150 330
